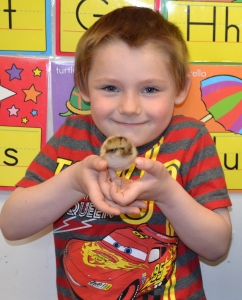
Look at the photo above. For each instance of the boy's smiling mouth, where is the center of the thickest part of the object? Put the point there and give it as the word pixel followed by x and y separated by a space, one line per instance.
pixel 130 123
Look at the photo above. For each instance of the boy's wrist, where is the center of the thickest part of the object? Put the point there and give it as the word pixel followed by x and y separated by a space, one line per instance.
pixel 168 189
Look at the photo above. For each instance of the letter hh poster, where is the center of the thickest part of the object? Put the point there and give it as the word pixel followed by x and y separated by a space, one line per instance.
pixel 212 30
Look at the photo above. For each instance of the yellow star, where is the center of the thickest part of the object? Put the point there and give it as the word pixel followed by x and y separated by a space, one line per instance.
pixel 31 94
pixel 37 72
pixel 25 120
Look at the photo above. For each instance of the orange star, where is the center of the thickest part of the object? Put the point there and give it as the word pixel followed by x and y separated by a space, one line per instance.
pixel 31 94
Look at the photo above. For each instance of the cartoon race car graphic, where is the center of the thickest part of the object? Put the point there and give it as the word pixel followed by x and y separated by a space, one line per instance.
pixel 124 265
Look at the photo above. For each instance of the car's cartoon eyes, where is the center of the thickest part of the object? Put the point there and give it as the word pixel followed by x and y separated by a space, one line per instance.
pixel 116 244
pixel 128 250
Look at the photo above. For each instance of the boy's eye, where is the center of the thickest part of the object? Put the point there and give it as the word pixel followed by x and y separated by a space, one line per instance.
pixel 150 90
pixel 110 88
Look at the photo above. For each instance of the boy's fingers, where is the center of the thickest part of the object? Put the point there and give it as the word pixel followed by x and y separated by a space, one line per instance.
pixel 140 204
pixel 133 209
pixel 104 183
pixel 98 201
pixel 130 210
pixel 124 196
pixel 150 166
pixel 97 163
pixel 114 177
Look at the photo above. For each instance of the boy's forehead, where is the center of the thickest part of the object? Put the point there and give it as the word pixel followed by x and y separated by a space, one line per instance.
pixel 117 44
pixel 118 61
pixel 119 49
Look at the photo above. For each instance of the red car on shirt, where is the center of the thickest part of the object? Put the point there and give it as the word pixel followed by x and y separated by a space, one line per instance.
pixel 124 265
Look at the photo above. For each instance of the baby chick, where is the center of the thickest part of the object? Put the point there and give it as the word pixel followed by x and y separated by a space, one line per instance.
pixel 120 153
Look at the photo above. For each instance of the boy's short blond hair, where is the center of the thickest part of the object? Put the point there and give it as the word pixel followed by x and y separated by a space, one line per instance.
pixel 136 26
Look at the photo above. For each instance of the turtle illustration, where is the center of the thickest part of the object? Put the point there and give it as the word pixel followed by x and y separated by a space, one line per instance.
pixel 76 105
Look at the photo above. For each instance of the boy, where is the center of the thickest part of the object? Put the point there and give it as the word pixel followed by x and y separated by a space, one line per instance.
pixel 132 65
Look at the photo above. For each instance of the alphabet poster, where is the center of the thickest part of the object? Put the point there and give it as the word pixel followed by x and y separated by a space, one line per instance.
pixel 215 98
pixel 23 115
pixel 212 30
pixel 74 17
pixel 25 27
pixel 66 99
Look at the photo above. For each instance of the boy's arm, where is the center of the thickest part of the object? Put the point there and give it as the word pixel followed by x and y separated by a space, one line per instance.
pixel 206 232
pixel 28 210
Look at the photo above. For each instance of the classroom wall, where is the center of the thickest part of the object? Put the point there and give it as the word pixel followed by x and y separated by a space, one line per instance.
pixel 27 267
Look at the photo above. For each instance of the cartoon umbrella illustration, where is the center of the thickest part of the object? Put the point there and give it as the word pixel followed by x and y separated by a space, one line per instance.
pixel 76 105
pixel 222 95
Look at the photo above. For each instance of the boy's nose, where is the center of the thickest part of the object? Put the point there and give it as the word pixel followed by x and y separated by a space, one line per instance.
pixel 130 105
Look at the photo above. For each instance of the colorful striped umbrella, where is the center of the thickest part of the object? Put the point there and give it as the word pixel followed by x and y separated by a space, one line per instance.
pixel 222 95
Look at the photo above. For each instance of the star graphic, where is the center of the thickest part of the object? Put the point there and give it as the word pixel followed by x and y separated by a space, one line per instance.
pixel 14 72
pixel 37 72
pixel 31 94
pixel 25 120
pixel 34 112
pixel 13 111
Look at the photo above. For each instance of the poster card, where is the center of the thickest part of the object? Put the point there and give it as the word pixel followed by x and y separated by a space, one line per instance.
pixel 74 17
pixel 212 30
pixel 66 99
pixel 25 27
pixel 23 115
pixel 215 98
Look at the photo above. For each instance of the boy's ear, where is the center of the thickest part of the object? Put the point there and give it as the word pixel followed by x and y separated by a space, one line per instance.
pixel 183 94
pixel 84 95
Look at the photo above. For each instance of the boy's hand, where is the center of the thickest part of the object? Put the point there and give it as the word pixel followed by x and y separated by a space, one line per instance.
pixel 87 174
pixel 105 183
pixel 149 187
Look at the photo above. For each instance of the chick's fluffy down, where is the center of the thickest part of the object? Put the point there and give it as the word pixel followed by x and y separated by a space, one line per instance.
pixel 119 152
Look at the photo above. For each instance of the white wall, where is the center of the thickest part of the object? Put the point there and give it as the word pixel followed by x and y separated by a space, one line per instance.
pixel 27 267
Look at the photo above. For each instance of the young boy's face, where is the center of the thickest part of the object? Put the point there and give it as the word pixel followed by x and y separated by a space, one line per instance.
pixel 131 91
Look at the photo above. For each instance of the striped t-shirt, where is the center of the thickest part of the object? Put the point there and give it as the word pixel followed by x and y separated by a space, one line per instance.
pixel 100 256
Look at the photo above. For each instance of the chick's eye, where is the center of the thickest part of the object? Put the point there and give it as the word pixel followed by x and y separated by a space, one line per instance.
pixel 150 90
pixel 110 88
pixel 113 150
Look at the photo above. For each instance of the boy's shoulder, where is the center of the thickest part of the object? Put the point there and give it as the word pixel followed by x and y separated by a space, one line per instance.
pixel 74 123
pixel 184 122
pixel 78 118
pixel 180 119
pixel 186 127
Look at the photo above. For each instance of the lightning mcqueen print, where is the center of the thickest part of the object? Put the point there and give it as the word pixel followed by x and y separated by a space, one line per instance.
pixel 124 265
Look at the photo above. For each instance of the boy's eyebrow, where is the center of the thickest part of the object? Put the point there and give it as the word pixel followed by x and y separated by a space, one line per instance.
pixel 152 80
pixel 110 79
pixel 146 81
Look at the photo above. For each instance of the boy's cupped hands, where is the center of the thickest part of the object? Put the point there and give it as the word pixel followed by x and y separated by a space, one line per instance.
pixel 130 197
